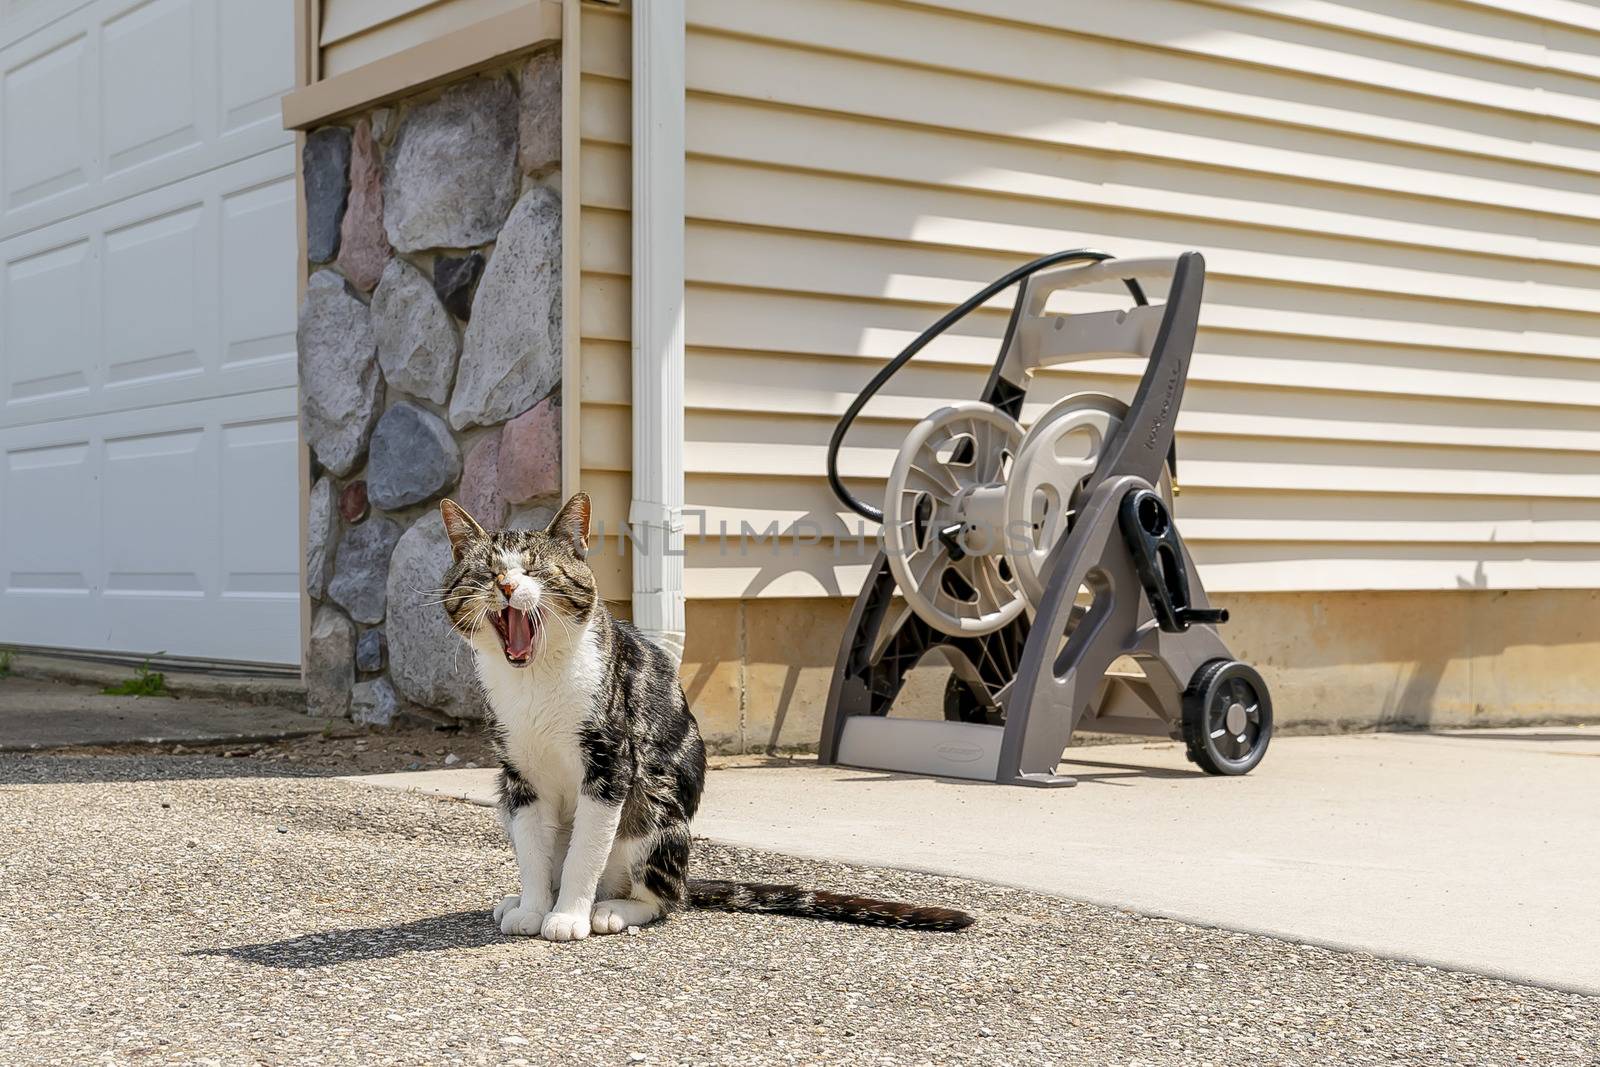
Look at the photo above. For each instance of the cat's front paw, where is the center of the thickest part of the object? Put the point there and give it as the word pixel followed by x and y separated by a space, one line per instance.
pixel 561 926
pixel 506 904
pixel 522 922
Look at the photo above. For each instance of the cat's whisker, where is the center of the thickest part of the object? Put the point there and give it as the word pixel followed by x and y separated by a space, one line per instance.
pixel 546 613
pixel 460 602
pixel 449 598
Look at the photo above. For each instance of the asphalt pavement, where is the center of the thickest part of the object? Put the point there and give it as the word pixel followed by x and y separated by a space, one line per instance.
pixel 39 714
pixel 194 909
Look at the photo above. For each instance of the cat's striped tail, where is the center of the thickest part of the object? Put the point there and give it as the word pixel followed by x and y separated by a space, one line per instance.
pixel 820 904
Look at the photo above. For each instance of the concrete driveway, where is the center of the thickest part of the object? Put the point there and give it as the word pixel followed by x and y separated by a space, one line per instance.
pixel 1474 850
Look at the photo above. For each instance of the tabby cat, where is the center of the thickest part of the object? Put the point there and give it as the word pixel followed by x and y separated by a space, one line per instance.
pixel 601 762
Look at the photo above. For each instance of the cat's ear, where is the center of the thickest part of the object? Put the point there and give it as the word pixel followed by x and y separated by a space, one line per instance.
pixel 459 527
pixel 571 524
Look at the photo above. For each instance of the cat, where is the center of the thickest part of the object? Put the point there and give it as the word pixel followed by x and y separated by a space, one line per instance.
pixel 602 764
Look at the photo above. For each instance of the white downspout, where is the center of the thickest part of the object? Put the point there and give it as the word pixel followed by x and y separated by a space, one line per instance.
pixel 656 513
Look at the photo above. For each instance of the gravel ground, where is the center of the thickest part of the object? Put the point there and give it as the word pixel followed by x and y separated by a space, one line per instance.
pixel 159 910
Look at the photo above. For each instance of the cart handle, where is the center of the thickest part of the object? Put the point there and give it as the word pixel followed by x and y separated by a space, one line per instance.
pixel 1125 269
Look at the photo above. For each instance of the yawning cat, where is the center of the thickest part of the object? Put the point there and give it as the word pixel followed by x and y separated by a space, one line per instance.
pixel 601 761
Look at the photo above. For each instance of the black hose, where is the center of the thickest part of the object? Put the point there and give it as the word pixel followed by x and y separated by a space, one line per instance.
pixel 949 319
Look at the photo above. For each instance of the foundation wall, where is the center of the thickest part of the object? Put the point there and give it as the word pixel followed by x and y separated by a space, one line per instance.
pixel 757 671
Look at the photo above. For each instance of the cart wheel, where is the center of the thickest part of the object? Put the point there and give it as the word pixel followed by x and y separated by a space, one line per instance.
pixel 1227 717
pixel 961 704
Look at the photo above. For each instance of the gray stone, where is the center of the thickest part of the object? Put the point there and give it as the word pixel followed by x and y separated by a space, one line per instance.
pixel 341 390
pixel 511 356
pixel 539 119
pixel 417 342
pixel 429 662
pixel 322 530
pixel 330 666
pixel 532 517
pixel 361 569
pixel 374 702
pixel 413 459
pixel 325 162
pixel 370 648
pixel 455 278
pixel 451 175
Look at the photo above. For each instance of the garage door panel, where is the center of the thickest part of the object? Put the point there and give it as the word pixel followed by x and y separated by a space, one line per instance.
pixel 49 341
pixel 117 99
pixel 157 263
pixel 169 529
pixel 260 536
pixel 151 84
pixel 252 631
pixel 19 18
pixel 47 145
pixel 49 522
pixel 256 57
pixel 258 303
pixel 159 530
pixel 182 293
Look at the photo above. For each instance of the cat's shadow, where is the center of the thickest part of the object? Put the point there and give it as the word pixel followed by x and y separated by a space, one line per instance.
pixel 460 929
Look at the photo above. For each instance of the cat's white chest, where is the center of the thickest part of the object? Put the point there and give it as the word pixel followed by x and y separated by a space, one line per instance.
pixel 540 710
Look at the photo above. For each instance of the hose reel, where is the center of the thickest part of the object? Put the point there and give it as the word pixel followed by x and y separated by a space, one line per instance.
pixel 974 506
pixel 1035 560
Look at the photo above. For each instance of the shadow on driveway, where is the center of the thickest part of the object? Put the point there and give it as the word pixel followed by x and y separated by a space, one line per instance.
pixel 1107 773
pixel 461 929
pixel 52 768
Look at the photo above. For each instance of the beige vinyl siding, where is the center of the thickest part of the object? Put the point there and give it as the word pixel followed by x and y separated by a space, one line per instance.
pixel 1397 384
pixel 356 32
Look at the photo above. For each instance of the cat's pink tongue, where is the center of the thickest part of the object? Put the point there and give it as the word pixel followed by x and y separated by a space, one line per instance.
pixel 519 633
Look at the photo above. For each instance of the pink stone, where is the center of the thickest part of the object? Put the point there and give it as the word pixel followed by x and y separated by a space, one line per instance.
pixel 363 249
pixel 480 490
pixel 530 453
pixel 353 502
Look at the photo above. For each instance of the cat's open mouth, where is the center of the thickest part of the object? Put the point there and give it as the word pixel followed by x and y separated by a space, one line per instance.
pixel 517 631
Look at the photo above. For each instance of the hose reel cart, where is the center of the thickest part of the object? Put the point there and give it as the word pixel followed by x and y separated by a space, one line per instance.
pixel 990 538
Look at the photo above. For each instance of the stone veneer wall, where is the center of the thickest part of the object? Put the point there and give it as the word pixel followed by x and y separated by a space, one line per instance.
pixel 430 365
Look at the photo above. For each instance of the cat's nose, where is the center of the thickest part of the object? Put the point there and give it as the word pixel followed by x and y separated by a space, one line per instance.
pixel 506 587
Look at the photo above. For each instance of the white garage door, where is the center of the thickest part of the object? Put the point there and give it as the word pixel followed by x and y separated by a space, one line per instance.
pixel 148 485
